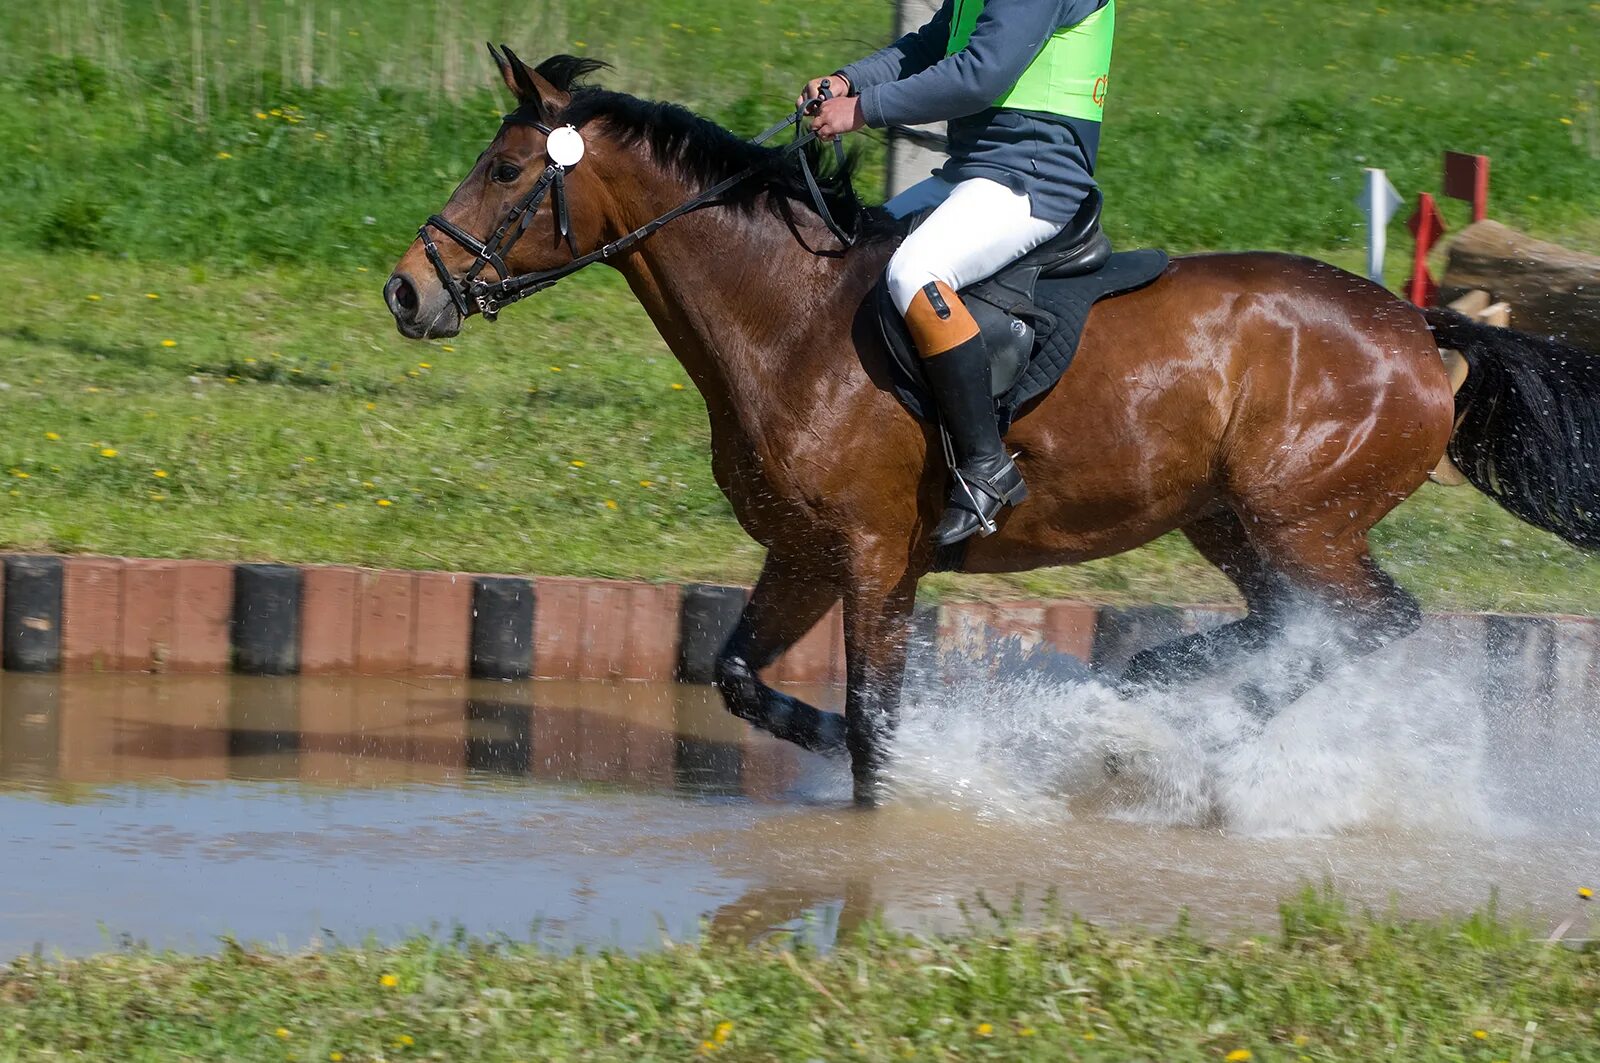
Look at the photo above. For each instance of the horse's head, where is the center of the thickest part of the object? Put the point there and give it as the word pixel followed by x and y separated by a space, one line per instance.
pixel 524 209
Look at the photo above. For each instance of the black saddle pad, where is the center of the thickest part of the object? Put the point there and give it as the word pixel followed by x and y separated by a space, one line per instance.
pixel 1068 300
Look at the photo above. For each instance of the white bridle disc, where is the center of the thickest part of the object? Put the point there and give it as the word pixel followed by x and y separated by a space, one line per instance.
pixel 564 146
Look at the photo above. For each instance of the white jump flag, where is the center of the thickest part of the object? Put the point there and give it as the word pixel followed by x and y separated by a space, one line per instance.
pixel 1379 199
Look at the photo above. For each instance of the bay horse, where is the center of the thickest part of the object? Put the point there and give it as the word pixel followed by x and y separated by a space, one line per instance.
pixel 1271 407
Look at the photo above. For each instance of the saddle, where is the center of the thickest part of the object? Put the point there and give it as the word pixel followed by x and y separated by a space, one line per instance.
pixel 1031 313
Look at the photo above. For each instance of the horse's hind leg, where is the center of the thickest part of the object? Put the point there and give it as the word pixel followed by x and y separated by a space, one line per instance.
pixel 787 602
pixel 1336 570
pixel 1280 569
pixel 1221 539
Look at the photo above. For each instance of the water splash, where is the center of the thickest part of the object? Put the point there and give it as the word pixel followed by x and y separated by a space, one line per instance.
pixel 1393 742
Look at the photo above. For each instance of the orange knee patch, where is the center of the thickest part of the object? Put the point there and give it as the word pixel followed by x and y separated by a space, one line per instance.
pixel 938 320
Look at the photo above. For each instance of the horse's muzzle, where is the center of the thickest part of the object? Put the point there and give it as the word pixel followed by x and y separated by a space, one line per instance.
pixel 421 313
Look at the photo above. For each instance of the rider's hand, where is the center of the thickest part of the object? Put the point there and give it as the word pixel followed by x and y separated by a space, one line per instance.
pixel 837 117
pixel 838 84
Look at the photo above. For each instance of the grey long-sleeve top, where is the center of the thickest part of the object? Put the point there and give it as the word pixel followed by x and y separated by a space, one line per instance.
pixel 1048 157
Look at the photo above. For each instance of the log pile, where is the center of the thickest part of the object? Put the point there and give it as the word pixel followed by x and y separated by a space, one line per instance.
pixel 1553 291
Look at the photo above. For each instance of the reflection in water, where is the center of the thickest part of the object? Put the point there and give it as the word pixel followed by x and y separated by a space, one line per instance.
pixel 354 732
pixel 608 814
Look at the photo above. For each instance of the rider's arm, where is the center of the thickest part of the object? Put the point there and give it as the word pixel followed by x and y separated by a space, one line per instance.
pixel 911 54
pixel 1007 37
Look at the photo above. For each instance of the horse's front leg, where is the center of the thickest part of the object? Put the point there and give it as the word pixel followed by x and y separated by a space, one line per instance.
pixel 788 601
pixel 877 626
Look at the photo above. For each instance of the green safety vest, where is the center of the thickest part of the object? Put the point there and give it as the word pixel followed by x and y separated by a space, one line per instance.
pixel 1068 77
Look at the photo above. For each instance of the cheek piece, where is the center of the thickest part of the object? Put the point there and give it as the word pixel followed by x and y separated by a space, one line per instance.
pixel 564 148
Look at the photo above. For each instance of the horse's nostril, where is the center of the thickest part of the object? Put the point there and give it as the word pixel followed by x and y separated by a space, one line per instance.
pixel 401 294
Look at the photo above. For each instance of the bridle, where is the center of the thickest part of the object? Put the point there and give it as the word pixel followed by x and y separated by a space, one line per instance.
pixel 472 292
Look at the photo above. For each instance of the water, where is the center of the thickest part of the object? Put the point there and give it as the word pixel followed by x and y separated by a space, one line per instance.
pixel 175 810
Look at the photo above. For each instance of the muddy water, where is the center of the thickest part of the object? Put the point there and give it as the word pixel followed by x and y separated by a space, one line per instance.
pixel 176 810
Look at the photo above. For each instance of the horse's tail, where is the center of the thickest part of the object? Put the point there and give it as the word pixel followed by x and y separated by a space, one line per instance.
pixel 1528 425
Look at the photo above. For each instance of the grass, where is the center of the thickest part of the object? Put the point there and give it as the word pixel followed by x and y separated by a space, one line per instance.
pixel 1331 986
pixel 259 166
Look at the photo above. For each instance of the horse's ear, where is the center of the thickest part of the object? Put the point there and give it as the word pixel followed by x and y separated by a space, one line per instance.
pixel 507 73
pixel 527 84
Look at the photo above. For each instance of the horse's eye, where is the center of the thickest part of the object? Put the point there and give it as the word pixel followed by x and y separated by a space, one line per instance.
pixel 506 172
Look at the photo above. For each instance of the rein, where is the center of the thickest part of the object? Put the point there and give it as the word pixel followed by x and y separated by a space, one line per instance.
pixel 470 291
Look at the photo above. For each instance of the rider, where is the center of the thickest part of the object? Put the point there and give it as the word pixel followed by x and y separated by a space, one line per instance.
pixel 1022 84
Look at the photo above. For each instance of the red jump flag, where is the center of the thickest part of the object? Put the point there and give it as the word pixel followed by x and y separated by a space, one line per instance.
pixel 1427 226
pixel 1467 177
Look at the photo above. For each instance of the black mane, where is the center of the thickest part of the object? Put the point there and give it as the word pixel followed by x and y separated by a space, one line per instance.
pixel 703 153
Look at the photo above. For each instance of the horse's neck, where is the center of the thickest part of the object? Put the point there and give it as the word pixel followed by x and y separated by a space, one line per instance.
pixel 744 306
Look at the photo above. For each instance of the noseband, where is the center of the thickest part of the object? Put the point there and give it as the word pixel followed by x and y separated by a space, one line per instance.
pixel 472 292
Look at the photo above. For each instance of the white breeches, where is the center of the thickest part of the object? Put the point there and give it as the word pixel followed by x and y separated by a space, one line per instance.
pixel 978 227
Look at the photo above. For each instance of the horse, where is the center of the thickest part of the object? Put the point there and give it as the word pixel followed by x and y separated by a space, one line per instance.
pixel 1271 407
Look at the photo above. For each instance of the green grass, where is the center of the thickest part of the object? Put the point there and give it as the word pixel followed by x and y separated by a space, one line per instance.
pixel 1330 986
pixel 1232 124
pixel 287 407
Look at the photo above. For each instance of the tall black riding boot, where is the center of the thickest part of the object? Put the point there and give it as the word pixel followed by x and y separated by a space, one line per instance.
pixel 956 364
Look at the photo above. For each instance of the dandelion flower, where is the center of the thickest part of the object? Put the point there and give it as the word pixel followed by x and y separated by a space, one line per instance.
pixel 1583 891
pixel 336 1057
pixel 1481 1035
pixel 281 1033
pixel 1566 121
pixel 108 452
pixel 52 436
pixel 372 405
pixel 723 1030
pixel 577 464
pixel 405 1040
pixel 160 474
pixel 647 483
pixel 93 298
pixel 446 347
pixel 985 1029
pixel 169 343
pixel 611 503
pixel 425 365
pixel 555 369
pixel 1238 1055
pixel 151 295
pixel 261 114
pixel 388 979
pixel 677 387
pixel 19 474
pixel 223 155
